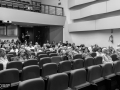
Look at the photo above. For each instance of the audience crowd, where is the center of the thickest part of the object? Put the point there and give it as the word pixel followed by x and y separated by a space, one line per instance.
pixel 24 51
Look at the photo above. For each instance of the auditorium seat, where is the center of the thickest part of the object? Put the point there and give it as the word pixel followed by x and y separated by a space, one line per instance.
pixel 117 71
pixel 88 62
pixel 3 4
pixel 107 70
pixel 13 53
pixel 117 67
pixel 77 63
pixel 78 80
pixel 48 69
pixel 64 57
pixel 40 53
pixel 93 54
pixel 109 75
pixel 114 57
pixel 48 52
pixel 32 84
pixel 10 76
pixel 15 5
pixel 14 64
pixel 9 56
pixel 14 59
pixel 53 54
pixel 95 77
pixel 33 54
pixel 21 6
pixel 30 72
pixel 30 62
pixel 41 56
pixel 57 81
pixel 1 66
pixel 97 60
pixel 64 66
pixel 78 56
pixel 56 59
pixel 44 61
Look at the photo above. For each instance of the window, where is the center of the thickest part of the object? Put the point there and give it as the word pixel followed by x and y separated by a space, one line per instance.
pixel 2 30
pixel 12 30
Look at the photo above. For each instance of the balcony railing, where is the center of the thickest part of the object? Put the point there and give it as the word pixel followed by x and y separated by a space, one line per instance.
pixel 33 6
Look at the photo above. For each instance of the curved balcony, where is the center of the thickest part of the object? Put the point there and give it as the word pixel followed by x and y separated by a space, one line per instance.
pixel 33 7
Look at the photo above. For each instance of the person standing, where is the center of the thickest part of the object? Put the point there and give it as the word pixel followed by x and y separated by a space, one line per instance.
pixel 23 38
pixel 27 37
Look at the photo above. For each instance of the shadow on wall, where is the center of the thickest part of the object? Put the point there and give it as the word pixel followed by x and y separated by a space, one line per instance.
pixel 56 33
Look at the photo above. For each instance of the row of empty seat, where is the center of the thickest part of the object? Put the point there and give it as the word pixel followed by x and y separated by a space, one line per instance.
pixel 97 77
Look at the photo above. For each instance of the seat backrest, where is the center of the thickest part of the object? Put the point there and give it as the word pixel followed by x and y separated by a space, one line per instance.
pixel 77 56
pixel 30 72
pixel 57 81
pixel 77 77
pixel 30 62
pixel 114 57
pixel 88 62
pixel 40 53
pixel 97 60
pixel 93 54
pixel 116 67
pixel 64 66
pixel 107 69
pixel 77 63
pixel 44 61
pixel 14 64
pixel 14 58
pixel 32 84
pixel 56 59
pixel 1 66
pixel 64 57
pixel 9 76
pixel 13 53
pixel 48 69
pixel 48 52
pixel 94 73
pixel 9 56
pixel 41 56
pixel 53 54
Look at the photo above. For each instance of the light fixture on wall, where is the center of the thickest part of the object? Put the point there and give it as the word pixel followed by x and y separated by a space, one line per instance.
pixel 111 38
pixel 59 3
pixel 111 30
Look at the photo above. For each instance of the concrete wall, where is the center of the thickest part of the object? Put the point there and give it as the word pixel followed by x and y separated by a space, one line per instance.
pixel 30 17
pixel 100 37
pixel 56 33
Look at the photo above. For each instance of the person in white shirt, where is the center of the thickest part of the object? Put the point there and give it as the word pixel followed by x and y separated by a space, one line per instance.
pixel 3 58
pixel 99 52
pixel 106 56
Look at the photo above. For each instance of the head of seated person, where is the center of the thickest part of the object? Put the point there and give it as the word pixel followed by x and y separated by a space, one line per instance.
pixel 2 53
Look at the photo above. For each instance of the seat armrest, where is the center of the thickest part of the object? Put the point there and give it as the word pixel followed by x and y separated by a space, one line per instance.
pixel 82 86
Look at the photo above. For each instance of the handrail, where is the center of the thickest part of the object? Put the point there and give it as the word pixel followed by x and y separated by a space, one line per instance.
pixel 41 8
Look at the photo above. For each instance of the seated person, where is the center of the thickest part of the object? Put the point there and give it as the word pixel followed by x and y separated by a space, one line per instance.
pixel 86 52
pixel 106 56
pixel 99 52
pixel 3 58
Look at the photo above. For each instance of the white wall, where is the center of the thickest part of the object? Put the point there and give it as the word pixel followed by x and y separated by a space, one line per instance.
pixel 73 3
pixel 56 33
pixel 50 2
pixel 66 35
pixel 100 37
pixel 93 29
